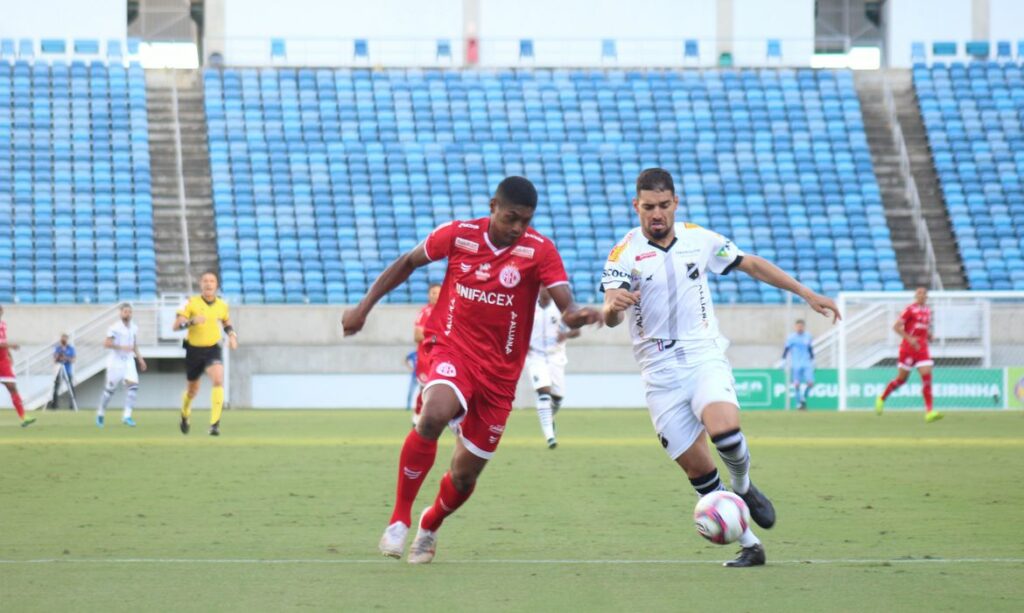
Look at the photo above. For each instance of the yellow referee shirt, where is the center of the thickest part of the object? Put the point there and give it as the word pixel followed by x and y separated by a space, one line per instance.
pixel 208 333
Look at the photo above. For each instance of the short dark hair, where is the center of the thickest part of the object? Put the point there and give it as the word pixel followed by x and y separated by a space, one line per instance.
pixel 655 180
pixel 125 305
pixel 800 321
pixel 210 272
pixel 518 191
pixel 432 286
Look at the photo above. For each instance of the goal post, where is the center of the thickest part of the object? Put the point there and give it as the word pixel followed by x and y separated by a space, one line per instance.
pixel 977 346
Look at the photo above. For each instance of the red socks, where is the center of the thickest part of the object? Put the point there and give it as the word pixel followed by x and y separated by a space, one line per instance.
pixel 448 500
pixel 891 388
pixel 18 406
pixel 926 391
pixel 414 463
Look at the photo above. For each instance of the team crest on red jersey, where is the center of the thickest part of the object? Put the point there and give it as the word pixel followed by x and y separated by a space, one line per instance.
pixel 446 369
pixel 510 276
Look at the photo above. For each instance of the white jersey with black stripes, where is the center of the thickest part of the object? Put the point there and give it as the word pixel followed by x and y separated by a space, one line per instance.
pixel 675 318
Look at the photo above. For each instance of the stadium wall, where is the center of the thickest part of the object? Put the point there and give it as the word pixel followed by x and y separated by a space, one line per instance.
pixel 1005 20
pixel 756 21
pixel 96 19
pixel 318 33
pixel 958 21
pixel 296 355
pixel 567 33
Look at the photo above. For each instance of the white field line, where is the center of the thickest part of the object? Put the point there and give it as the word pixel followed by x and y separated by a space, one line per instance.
pixel 376 561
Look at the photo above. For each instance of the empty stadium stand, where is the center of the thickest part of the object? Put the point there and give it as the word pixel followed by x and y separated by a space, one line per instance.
pixel 974 115
pixel 320 177
pixel 74 183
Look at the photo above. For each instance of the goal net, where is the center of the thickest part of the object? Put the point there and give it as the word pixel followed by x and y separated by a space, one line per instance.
pixel 977 347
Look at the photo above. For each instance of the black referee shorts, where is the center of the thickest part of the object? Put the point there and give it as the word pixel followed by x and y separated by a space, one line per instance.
pixel 198 359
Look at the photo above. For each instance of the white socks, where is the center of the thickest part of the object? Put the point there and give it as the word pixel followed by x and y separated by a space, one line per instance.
pixel 547 420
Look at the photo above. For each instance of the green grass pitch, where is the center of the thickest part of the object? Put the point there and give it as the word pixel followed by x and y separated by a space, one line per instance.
pixel 283 512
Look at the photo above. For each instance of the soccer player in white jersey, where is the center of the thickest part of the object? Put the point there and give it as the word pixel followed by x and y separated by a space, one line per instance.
pixel 546 362
pixel 657 275
pixel 124 351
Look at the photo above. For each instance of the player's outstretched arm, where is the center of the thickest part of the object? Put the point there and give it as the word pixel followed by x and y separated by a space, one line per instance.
pixel 616 301
pixel 353 320
pixel 573 314
pixel 763 270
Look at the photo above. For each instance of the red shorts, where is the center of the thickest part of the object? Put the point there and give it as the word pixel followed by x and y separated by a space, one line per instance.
pixel 6 371
pixel 486 405
pixel 911 358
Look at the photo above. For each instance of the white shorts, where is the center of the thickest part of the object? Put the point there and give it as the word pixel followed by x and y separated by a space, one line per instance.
pixel 119 370
pixel 677 395
pixel 547 371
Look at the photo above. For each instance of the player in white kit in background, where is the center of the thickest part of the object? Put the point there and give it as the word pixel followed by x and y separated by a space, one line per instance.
pixel 546 362
pixel 124 351
pixel 658 275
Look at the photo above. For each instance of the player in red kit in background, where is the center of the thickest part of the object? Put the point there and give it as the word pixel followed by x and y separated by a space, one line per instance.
pixel 7 373
pixel 914 325
pixel 420 336
pixel 477 338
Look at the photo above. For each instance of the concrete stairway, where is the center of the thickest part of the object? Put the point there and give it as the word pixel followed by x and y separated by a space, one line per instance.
pixel 910 256
pixel 175 273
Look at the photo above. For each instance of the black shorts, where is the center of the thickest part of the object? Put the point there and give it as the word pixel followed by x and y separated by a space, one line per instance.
pixel 198 359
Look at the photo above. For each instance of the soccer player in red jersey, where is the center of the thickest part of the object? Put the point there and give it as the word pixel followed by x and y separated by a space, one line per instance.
pixel 420 336
pixel 7 372
pixel 914 325
pixel 477 339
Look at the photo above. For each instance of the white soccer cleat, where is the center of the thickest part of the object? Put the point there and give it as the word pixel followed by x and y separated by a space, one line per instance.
pixel 392 543
pixel 424 546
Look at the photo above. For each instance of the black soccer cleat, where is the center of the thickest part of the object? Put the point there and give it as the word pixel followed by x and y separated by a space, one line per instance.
pixel 762 511
pixel 749 556
pixel 215 429
pixel 184 425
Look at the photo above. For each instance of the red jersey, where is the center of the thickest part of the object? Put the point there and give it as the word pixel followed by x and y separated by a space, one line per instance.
pixel 5 355
pixel 423 316
pixel 917 321
pixel 485 311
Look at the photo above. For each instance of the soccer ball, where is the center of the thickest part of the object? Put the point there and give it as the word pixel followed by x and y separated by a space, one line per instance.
pixel 721 517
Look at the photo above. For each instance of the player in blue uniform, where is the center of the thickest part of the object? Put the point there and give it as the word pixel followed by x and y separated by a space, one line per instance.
pixel 800 351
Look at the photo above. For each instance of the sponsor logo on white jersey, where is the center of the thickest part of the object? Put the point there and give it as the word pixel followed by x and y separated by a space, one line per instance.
pixel 466 245
pixel 644 256
pixel 524 252
pixel 509 276
pixel 445 369
pixel 479 295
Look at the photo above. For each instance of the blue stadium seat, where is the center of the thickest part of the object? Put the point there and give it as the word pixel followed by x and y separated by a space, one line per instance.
pixel 974 121
pixel 770 157
pixel 79 154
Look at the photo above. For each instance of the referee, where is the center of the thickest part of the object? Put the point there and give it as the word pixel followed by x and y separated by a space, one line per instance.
pixel 204 316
